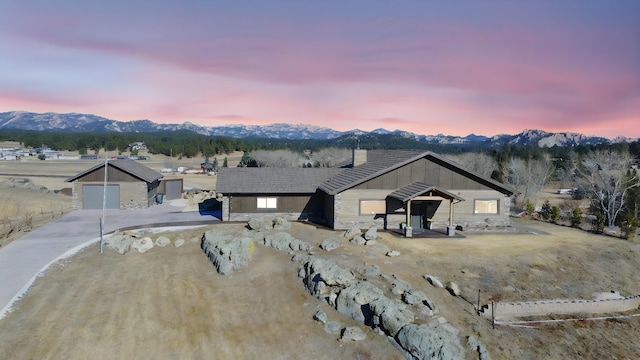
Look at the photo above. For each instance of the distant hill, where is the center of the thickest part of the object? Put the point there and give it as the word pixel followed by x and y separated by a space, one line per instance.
pixel 73 122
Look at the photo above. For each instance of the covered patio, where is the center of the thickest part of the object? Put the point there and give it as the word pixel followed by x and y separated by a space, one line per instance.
pixel 420 202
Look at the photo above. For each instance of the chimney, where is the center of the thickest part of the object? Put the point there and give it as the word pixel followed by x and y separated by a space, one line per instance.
pixel 359 157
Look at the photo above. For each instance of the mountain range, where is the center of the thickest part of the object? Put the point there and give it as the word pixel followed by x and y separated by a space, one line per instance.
pixel 73 122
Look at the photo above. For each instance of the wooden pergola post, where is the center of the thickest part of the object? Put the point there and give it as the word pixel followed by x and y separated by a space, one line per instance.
pixel 408 213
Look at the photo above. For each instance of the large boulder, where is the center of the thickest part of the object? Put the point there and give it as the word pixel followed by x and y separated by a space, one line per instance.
pixel 281 223
pixel 477 346
pixel 351 232
pixel 120 243
pixel 330 244
pixel 142 244
pixel 323 277
pixel 352 300
pixel 162 241
pixel 432 341
pixel 390 315
pixel 260 224
pixel 226 251
pixel 453 288
pixel 433 281
pixel 371 234
pixel 285 242
pixel 353 333
pixel 358 240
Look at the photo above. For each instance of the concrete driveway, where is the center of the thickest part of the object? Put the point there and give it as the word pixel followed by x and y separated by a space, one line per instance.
pixel 24 258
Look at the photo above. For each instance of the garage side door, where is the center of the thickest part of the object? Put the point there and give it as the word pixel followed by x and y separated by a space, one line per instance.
pixel 92 196
pixel 173 189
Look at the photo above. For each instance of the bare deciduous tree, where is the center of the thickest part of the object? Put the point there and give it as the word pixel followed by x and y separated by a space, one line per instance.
pixel 606 181
pixel 529 177
pixel 330 157
pixel 277 158
pixel 481 163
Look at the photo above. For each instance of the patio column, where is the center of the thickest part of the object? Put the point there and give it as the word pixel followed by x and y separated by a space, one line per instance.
pixel 451 212
pixel 408 213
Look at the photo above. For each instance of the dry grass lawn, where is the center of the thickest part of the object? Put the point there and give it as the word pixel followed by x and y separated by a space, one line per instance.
pixel 170 302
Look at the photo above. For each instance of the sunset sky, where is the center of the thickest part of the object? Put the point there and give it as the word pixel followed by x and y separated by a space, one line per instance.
pixel 460 67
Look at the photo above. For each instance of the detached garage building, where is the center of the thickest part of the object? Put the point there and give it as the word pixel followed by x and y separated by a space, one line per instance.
pixel 130 185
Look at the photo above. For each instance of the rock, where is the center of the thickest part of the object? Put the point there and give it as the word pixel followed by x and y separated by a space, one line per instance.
pixel 370 270
pixel 330 244
pixel 142 245
pixel 390 315
pixel 178 243
pixel 371 234
pixel 413 297
pixel 260 224
pixel 332 327
pixel 393 253
pixel 162 241
pixel 478 347
pixel 281 223
pixel 433 281
pixel 432 341
pixel 120 243
pixel 194 239
pixel 358 240
pixel 453 288
pixel 324 277
pixel 226 251
pixel 285 242
pixel 353 333
pixel 351 232
pixel 320 316
pixel 399 287
pixel 352 301
pixel 370 242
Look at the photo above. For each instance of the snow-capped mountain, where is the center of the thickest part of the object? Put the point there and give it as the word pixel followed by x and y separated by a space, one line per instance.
pixel 73 122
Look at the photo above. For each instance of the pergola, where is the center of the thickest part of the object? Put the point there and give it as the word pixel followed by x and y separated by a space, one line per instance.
pixel 421 191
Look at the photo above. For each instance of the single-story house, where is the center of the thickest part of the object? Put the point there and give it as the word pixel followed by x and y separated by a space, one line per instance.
pixel 130 185
pixel 384 188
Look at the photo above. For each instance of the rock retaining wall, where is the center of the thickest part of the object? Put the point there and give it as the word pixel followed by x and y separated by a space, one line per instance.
pixel 505 311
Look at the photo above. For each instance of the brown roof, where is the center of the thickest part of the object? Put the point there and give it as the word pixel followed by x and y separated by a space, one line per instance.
pixel 383 161
pixel 268 180
pixel 131 167
pixel 418 188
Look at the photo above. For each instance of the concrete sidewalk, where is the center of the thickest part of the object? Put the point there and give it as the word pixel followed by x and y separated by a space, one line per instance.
pixel 25 257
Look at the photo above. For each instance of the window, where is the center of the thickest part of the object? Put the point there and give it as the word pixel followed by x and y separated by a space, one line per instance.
pixel 267 203
pixel 368 207
pixel 485 207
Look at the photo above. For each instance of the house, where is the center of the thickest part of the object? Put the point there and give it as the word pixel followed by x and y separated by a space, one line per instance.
pixel 384 188
pixel 130 185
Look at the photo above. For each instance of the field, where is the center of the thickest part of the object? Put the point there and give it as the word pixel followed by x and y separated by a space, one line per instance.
pixel 171 303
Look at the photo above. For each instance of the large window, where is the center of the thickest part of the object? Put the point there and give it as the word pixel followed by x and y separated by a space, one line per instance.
pixel 485 206
pixel 267 203
pixel 368 207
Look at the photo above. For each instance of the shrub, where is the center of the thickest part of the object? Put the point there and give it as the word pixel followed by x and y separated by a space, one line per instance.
pixel 554 214
pixel 529 208
pixel 629 227
pixel 599 223
pixel 42 156
pixel 576 218
pixel 546 210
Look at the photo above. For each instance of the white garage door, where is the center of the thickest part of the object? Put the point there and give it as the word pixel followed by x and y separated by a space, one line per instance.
pixel 92 196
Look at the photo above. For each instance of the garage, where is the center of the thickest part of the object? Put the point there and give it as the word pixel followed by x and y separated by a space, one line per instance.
pixel 94 196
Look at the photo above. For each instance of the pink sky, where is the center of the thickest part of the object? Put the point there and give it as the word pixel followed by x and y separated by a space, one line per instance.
pixel 487 67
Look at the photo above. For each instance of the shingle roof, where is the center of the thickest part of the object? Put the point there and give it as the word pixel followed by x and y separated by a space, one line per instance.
pixel 382 161
pixel 252 180
pixel 418 188
pixel 131 167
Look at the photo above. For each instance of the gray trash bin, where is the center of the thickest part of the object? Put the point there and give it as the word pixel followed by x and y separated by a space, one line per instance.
pixel 159 197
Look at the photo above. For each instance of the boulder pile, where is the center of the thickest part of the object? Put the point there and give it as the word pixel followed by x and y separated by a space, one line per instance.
pixel 226 251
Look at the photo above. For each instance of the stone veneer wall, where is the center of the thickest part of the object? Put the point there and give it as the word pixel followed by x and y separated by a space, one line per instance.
pixel 505 311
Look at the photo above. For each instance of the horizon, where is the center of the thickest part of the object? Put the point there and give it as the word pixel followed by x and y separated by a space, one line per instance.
pixel 427 68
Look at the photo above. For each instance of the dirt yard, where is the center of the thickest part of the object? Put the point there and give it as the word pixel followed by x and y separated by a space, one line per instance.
pixel 170 302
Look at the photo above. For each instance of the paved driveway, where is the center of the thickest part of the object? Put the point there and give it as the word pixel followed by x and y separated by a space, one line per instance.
pixel 24 258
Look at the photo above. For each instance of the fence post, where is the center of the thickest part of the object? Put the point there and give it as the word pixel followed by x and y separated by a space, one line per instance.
pixel 493 315
pixel 478 308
